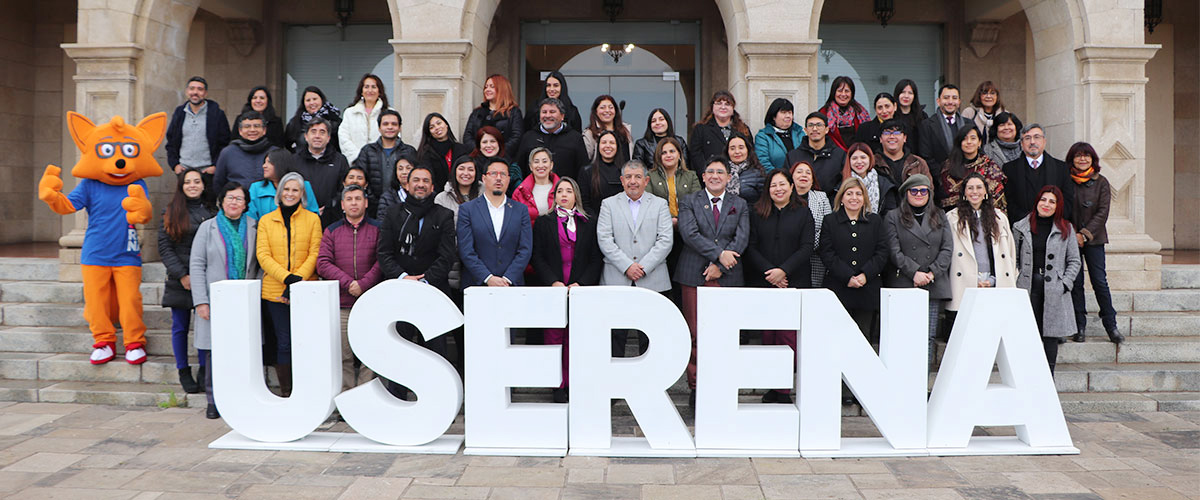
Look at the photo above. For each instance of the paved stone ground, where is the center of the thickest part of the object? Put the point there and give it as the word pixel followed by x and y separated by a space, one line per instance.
pixel 99 452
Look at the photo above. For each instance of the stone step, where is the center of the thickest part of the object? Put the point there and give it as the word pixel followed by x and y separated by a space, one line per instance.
pixel 78 368
pixel 1176 276
pixel 64 293
pixel 1133 350
pixel 1167 300
pixel 70 315
pixel 1133 377
pixel 1141 324
pixel 1120 402
pixel 29 269
pixel 48 339
pixel 118 394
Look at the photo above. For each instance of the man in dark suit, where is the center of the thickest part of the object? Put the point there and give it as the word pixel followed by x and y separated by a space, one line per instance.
pixel 715 228
pixel 936 136
pixel 495 237
pixel 1027 174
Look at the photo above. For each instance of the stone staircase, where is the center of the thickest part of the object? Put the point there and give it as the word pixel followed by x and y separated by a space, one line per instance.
pixel 44 346
pixel 45 343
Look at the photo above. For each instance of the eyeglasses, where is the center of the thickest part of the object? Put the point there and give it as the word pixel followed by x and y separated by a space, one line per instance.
pixel 1033 137
pixel 814 125
pixel 497 174
pixel 235 199
pixel 918 191
pixel 890 133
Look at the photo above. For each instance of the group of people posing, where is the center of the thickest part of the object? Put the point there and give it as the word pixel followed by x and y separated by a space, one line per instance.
pixel 840 200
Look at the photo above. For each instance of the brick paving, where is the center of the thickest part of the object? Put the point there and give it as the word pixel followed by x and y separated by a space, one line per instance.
pixel 74 451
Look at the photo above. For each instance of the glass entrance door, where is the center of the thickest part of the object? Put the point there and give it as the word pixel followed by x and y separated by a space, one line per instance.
pixel 660 71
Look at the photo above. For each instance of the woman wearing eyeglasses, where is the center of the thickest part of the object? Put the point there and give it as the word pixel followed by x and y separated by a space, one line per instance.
pixel 920 248
pixel 985 106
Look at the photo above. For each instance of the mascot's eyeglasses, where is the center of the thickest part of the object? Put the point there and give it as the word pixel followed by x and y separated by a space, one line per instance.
pixel 108 149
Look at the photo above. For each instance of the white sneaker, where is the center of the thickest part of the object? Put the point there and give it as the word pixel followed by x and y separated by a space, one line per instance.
pixel 135 356
pixel 102 354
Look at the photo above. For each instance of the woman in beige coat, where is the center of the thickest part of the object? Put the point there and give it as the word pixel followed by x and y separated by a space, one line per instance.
pixel 984 249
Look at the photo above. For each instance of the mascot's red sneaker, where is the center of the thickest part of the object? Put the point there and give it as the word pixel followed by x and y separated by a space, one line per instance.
pixel 135 354
pixel 103 353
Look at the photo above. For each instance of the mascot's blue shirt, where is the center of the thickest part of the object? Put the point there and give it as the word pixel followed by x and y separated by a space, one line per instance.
pixel 110 239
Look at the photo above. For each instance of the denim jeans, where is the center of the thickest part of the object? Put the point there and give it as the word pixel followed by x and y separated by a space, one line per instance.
pixel 1093 261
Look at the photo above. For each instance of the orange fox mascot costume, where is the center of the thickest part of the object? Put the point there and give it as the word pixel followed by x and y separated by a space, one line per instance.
pixel 116 157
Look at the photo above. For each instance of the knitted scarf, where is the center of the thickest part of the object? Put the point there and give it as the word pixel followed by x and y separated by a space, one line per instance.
pixel 1082 176
pixel 735 172
pixel 326 110
pixel 871 180
pixel 847 117
pixel 234 234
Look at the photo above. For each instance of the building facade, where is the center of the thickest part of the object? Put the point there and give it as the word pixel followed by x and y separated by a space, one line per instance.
pixel 1085 69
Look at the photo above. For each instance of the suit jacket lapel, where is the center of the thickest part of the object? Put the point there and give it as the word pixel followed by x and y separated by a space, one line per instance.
pixel 947 134
pixel 486 215
pixel 510 218
pixel 705 215
pixel 726 210
pixel 922 230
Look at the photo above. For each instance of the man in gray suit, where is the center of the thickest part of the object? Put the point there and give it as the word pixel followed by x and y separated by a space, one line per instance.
pixel 715 228
pixel 634 233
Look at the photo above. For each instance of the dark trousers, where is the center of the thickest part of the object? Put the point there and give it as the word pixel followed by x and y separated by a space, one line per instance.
pixel 1093 260
pixel 282 321
pixel 1037 295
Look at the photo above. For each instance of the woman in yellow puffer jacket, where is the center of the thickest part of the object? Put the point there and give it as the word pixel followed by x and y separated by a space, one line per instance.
pixel 288 240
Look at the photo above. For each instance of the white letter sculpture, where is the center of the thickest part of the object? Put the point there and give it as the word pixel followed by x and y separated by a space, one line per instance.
pixel 597 377
pixel 493 365
pixel 890 386
pixel 238 386
pixel 724 427
pixel 369 408
pixel 996 326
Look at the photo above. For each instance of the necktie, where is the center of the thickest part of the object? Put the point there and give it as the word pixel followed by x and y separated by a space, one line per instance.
pixel 950 120
pixel 716 211
pixel 1034 164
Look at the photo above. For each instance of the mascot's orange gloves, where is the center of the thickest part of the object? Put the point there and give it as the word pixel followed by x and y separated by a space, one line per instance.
pixel 50 191
pixel 137 207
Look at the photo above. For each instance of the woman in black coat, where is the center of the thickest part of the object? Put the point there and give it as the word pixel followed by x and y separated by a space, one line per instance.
pixel 659 126
pixel 191 205
pixel 854 248
pixel 260 100
pixel 499 109
pixel 312 104
pixel 779 253
pixel 438 148
pixel 566 232
pixel 782 238
pixel 710 134
pixel 555 86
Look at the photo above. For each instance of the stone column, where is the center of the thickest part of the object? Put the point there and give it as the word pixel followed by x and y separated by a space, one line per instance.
pixel 774 70
pixel 105 85
pixel 431 77
pixel 1113 87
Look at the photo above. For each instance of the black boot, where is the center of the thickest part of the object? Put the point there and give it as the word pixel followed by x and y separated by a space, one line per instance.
pixel 189 384
pixel 560 395
pixel 1079 337
pixel 1114 336
pixel 211 413
pixel 783 397
pixel 285 379
pixel 771 396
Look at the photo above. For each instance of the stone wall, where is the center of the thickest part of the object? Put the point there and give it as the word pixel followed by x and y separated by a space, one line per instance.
pixel 1002 63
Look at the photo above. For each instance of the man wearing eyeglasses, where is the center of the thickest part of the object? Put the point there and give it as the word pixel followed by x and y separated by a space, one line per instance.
pixel 895 161
pixel 824 156
pixel 495 237
pixel 198 131
pixel 714 227
pixel 1027 174
pixel 241 161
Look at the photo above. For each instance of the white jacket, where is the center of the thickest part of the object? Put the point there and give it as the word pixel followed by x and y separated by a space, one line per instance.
pixel 358 129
